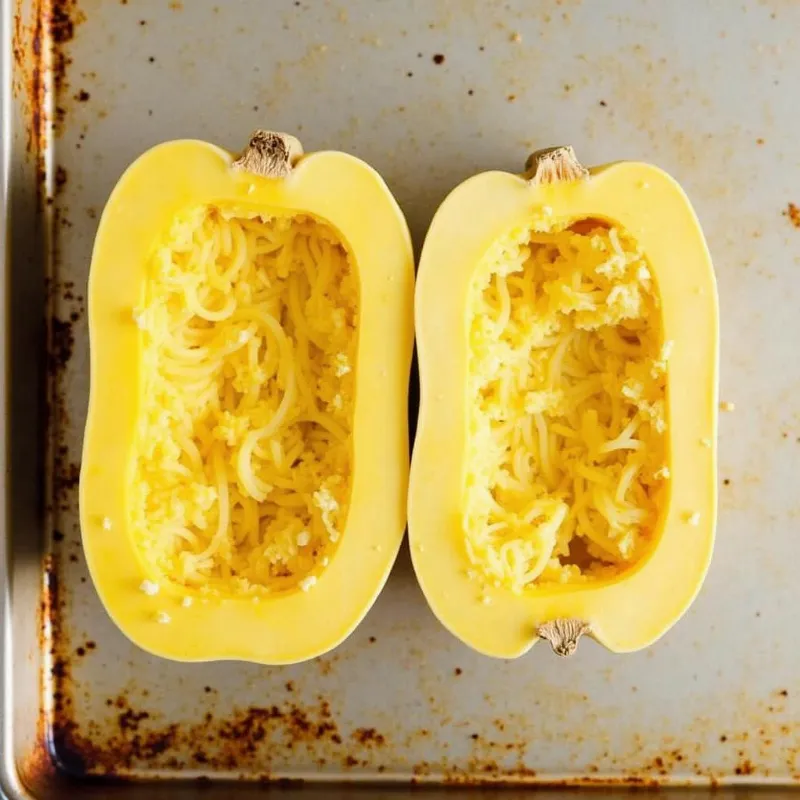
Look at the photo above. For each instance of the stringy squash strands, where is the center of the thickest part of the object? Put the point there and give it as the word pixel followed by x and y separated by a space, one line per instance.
pixel 235 380
pixel 545 359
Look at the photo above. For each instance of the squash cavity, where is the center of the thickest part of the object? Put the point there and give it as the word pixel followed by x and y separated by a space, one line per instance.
pixel 244 443
pixel 566 462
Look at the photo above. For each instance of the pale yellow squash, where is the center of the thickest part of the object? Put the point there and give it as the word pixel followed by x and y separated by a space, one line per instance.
pixel 270 295
pixel 605 414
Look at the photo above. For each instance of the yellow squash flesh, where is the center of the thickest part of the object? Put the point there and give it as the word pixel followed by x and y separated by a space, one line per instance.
pixel 349 197
pixel 630 610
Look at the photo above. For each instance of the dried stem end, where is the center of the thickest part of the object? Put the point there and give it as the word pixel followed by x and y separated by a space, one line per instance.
pixel 270 154
pixel 563 634
pixel 554 165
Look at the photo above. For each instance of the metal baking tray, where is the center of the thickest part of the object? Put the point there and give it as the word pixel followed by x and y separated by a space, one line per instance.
pixel 429 92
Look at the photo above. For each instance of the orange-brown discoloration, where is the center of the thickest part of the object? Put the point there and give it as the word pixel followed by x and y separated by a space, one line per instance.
pixel 135 737
pixel 369 737
pixel 29 84
pixel 245 740
pixel 51 27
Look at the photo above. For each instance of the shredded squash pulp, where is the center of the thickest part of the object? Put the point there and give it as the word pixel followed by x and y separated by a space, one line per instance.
pixel 242 470
pixel 566 463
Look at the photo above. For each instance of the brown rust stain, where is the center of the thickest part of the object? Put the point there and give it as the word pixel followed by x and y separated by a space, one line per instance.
pixel 60 349
pixel 42 27
pixel 792 212
pixel 752 750
pixel 47 27
pixel 368 737
pixel 326 664
pixel 29 83
pixel 62 344
pixel 248 738
pixel 65 16
pixel 489 775
pixel 62 20
pixel 746 752
pixel 744 767
pixel 38 770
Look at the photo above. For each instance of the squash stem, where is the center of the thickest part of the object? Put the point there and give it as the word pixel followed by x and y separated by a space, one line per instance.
pixel 554 165
pixel 270 154
pixel 563 634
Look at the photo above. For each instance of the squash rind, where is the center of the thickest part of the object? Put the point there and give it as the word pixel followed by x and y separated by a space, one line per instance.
pixel 632 611
pixel 351 197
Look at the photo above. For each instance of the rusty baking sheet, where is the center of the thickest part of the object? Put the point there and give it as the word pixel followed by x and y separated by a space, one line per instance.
pixel 429 92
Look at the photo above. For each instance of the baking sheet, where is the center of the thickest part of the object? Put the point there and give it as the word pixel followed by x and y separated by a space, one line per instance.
pixel 429 92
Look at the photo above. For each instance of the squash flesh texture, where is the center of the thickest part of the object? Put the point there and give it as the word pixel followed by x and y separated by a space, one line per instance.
pixel 243 457
pixel 566 460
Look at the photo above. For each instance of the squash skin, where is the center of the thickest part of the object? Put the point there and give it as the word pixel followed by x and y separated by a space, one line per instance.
pixel 632 611
pixel 295 626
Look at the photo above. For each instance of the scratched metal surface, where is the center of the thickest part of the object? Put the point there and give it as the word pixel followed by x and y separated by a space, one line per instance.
pixel 705 90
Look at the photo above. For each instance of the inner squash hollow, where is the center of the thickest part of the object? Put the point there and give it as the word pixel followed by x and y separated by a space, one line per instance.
pixel 566 464
pixel 241 473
